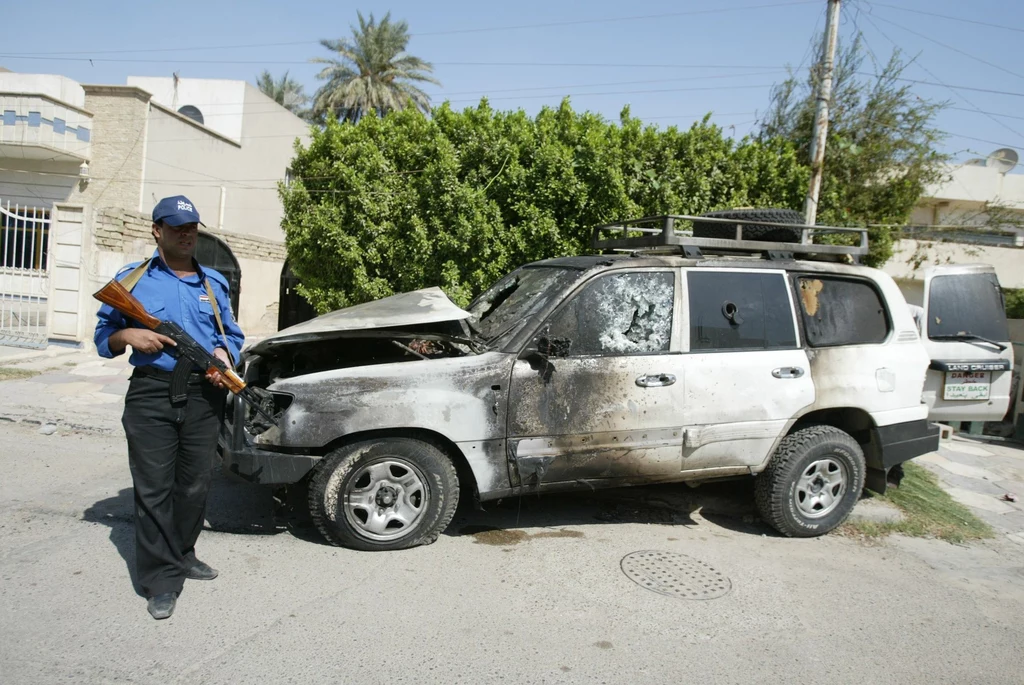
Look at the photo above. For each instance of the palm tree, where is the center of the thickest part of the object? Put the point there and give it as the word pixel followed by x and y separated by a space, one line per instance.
pixel 284 91
pixel 371 72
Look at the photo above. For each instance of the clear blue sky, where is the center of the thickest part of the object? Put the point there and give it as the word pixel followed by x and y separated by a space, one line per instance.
pixel 671 61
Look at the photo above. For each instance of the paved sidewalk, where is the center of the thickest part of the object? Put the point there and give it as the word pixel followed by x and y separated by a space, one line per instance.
pixel 77 390
pixel 979 473
pixel 74 389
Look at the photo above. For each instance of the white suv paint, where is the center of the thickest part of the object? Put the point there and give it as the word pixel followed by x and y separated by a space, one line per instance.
pixel 615 370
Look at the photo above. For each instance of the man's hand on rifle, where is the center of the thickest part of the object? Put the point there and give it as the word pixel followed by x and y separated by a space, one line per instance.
pixel 215 376
pixel 141 339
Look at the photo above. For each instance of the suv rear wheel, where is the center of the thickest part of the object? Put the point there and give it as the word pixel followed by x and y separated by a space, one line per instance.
pixel 812 482
pixel 384 494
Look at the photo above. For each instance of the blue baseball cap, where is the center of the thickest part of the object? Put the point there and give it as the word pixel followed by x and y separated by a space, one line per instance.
pixel 176 211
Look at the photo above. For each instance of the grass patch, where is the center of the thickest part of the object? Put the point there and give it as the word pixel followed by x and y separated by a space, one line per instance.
pixel 8 373
pixel 928 510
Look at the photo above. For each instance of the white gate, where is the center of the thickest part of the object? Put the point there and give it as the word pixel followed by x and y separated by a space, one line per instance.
pixel 24 275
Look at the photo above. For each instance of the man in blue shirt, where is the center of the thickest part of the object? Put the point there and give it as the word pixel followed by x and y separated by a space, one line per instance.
pixel 171 444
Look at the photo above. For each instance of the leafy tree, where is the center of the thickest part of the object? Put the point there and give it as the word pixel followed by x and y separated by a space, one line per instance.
pixel 285 91
pixel 458 199
pixel 881 149
pixel 1014 302
pixel 371 72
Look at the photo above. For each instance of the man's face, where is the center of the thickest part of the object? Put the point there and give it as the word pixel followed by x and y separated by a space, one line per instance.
pixel 177 242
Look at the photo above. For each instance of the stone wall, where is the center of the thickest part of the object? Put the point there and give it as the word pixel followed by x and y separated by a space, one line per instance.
pixel 118 230
pixel 116 168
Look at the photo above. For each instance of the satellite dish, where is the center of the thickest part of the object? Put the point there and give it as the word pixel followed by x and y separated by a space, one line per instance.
pixel 977 161
pixel 1002 160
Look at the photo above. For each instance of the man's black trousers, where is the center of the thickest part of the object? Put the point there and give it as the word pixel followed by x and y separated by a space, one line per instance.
pixel 170 451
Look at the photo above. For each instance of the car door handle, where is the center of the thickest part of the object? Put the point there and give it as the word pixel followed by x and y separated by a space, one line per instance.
pixel 658 380
pixel 788 372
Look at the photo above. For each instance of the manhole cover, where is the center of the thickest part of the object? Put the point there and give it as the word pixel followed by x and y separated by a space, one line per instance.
pixel 676 575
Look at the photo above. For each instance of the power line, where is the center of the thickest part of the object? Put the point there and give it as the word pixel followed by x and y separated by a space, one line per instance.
pixel 983 140
pixel 950 47
pixel 278 110
pixel 443 33
pixel 237 108
pixel 993 114
pixel 946 16
pixel 602 65
pixel 953 89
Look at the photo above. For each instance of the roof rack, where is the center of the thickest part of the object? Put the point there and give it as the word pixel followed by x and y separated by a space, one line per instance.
pixel 661 233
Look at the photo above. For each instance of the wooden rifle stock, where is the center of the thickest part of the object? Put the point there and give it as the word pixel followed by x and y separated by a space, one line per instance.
pixel 189 352
pixel 118 297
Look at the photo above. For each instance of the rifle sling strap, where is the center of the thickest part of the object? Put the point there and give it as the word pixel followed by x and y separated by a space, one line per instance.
pixel 220 323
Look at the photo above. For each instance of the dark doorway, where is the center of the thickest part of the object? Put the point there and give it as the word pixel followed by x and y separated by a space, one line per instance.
pixel 292 307
pixel 215 253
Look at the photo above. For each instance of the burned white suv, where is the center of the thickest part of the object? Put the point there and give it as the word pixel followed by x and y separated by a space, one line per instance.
pixel 688 357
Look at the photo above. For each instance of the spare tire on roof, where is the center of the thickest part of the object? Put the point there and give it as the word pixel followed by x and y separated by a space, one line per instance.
pixel 781 234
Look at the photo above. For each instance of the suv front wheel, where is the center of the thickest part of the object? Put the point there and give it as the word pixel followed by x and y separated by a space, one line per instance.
pixel 384 494
pixel 812 482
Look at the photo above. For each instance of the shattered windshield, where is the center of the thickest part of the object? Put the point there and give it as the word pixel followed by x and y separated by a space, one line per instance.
pixel 507 304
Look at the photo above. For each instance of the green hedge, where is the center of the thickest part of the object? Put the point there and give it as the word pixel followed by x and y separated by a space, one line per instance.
pixel 459 198
pixel 1014 303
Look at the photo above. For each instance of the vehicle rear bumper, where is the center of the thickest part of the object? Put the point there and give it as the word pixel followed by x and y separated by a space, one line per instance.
pixel 242 458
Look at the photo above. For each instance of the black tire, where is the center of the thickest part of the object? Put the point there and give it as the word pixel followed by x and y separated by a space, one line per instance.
pixel 384 494
pixel 779 234
pixel 781 493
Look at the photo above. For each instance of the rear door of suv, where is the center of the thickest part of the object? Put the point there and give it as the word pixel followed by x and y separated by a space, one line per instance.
pixel 746 374
pixel 965 332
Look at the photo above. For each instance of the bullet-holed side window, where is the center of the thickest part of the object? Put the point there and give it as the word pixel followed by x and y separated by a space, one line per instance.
pixel 618 314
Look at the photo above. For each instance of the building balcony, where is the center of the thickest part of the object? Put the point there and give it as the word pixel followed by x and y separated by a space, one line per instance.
pixel 39 127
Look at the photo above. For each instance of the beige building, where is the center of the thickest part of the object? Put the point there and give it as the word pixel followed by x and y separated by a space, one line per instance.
pixel 975 215
pixel 982 193
pixel 81 167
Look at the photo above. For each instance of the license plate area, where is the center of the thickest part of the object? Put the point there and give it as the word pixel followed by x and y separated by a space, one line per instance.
pixel 967 385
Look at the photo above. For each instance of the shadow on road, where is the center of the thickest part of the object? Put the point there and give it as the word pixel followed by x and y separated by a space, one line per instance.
pixel 233 507
pixel 727 504
pixel 239 508
pixel 116 512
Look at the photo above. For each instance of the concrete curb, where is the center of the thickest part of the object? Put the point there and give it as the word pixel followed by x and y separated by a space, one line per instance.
pixel 35 355
pixel 34 420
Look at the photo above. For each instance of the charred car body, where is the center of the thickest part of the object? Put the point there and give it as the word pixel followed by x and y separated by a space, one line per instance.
pixel 666 364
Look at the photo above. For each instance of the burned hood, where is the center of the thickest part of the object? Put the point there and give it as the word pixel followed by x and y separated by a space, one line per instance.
pixel 426 306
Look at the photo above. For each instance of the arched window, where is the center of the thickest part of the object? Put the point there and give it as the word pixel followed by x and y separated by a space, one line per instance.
pixel 193 113
pixel 292 308
pixel 215 253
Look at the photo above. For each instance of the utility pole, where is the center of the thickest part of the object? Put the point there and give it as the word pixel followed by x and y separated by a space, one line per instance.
pixel 824 97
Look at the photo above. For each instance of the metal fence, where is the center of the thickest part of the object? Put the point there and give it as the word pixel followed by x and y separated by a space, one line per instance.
pixel 24 275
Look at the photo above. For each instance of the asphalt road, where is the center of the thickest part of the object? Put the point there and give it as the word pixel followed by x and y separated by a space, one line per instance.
pixel 527 594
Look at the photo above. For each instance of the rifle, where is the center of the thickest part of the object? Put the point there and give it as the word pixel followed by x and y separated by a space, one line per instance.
pixel 189 352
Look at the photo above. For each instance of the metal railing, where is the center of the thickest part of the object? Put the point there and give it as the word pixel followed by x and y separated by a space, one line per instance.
pixel 24 275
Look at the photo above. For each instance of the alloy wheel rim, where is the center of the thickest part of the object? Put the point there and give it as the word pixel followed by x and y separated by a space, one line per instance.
pixel 386 499
pixel 821 487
